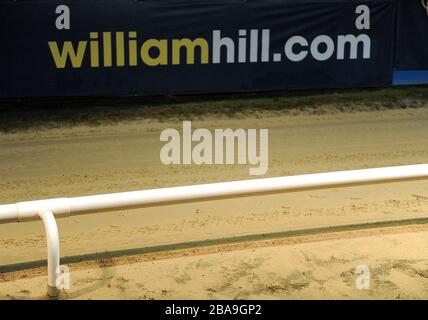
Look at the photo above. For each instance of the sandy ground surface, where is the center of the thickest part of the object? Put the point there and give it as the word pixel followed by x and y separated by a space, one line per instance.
pixel 124 157
pixel 310 267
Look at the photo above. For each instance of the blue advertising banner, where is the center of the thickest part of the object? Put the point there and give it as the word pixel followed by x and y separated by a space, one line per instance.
pixel 124 47
pixel 412 38
pixel 411 52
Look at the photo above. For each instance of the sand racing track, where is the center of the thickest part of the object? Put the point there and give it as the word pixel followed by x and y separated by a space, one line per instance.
pixel 294 245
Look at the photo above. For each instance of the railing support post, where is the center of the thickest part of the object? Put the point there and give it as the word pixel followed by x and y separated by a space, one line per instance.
pixel 52 238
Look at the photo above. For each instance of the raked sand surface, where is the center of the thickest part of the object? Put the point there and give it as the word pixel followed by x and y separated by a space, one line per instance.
pixel 124 157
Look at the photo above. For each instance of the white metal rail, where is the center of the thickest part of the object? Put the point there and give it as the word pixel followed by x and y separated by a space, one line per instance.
pixel 64 207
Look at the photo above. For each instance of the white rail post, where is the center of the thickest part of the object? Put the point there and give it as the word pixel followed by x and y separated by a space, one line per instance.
pixel 52 238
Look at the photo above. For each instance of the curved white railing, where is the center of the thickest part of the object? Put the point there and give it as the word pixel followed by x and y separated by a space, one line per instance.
pixel 63 207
